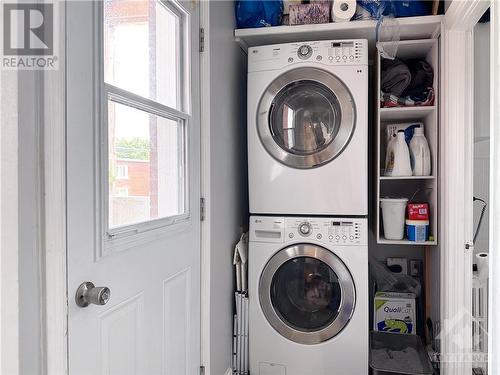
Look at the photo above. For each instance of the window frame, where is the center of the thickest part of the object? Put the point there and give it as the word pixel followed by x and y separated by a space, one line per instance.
pixel 117 238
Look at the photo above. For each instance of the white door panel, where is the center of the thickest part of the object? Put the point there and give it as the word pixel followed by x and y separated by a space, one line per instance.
pixel 151 324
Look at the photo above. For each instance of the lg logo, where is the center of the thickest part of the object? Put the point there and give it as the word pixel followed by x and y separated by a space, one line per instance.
pixel 28 29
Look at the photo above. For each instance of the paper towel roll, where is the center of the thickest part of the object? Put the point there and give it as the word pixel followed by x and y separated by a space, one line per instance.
pixel 482 261
pixel 343 10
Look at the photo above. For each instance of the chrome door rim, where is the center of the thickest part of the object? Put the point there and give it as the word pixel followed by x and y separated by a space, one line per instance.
pixel 348 293
pixel 346 128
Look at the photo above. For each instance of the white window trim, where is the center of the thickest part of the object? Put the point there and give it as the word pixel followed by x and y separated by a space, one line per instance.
pixel 127 236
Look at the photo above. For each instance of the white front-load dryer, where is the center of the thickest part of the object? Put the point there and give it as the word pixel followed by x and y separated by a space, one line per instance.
pixel 308 292
pixel 307 128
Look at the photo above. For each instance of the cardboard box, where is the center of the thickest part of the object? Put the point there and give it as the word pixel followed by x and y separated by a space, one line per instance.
pixel 418 211
pixel 394 312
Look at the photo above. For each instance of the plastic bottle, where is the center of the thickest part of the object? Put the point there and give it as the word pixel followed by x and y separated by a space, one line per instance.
pixel 398 157
pixel 389 156
pixel 420 153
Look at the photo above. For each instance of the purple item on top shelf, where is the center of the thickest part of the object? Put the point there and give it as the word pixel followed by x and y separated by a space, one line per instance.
pixel 303 14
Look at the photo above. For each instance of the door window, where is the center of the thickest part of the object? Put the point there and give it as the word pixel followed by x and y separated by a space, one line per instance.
pixel 145 84
pixel 305 117
pixel 306 294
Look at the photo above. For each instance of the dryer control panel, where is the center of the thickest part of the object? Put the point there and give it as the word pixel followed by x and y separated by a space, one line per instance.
pixel 325 52
pixel 333 231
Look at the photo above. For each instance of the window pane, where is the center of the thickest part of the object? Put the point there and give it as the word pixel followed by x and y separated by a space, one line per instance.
pixel 146 166
pixel 141 49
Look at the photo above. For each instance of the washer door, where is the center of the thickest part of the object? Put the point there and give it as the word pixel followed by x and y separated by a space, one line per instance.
pixel 306 118
pixel 307 293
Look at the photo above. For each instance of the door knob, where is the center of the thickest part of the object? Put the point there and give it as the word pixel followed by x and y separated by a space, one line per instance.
pixel 87 293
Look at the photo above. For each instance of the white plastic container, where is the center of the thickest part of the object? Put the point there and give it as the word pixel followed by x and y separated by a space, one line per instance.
pixel 397 161
pixel 420 154
pixel 417 230
pixel 393 217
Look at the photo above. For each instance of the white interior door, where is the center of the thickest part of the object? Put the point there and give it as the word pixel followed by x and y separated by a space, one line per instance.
pixel 133 170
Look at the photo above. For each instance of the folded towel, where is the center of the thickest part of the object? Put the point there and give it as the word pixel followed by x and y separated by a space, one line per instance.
pixel 422 76
pixel 395 76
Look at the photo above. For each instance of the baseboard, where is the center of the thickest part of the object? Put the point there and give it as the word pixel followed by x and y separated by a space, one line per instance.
pixel 229 371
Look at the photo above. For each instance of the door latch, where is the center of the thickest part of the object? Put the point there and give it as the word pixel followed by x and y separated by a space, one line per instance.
pixel 87 293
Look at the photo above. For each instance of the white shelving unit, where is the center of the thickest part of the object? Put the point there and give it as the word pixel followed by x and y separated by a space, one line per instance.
pixel 410 28
pixel 427 186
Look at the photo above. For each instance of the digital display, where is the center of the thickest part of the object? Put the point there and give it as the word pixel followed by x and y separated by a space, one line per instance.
pixel 336 223
pixel 342 44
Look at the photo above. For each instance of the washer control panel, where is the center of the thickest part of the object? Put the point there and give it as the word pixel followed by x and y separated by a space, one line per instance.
pixel 338 231
pixel 325 52
pixel 330 231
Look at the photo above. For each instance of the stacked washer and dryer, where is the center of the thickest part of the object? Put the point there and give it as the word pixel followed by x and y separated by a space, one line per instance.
pixel 307 165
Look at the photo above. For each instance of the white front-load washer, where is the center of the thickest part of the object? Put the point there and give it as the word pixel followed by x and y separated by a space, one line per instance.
pixel 307 128
pixel 308 292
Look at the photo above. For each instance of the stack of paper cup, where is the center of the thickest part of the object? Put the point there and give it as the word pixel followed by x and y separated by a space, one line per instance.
pixel 343 10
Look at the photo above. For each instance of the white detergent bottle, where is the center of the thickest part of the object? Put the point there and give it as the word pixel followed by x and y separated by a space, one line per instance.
pixel 420 153
pixel 401 156
pixel 389 156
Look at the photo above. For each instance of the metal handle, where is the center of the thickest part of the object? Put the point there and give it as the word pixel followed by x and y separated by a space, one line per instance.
pixel 87 293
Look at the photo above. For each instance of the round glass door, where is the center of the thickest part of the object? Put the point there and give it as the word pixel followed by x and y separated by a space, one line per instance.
pixel 307 293
pixel 306 118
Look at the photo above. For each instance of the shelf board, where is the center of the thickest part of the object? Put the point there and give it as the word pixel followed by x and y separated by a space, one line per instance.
pixel 410 28
pixel 383 241
pixel 405 113
pixel 388 178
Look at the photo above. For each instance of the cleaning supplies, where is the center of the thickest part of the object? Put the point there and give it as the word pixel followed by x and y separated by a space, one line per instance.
pixel 420 153
pixel 417 230
pixel 397 162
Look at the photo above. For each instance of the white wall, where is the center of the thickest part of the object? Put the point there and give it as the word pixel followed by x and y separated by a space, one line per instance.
pixel 481 129
pixel 228 202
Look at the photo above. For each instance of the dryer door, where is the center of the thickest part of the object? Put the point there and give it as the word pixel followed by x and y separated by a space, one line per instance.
pixel 306 117
pixel 307 293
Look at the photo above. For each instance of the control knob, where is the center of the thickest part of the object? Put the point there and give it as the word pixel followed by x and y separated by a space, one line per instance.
pixel 304 51
pixel 305 229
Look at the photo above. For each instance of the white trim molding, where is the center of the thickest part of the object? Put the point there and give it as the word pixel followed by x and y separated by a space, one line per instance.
pixel 54 169
pixel 457 190
pixel 494 282
pixel 205 186
pixel 9 235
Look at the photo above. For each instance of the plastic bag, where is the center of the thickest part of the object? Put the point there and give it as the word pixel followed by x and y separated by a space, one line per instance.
pixel 388 37
pixel 375 9
pixel 258 13
pixel 388 281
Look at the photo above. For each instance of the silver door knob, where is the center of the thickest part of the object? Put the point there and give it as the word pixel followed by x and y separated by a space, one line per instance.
pixel 87 293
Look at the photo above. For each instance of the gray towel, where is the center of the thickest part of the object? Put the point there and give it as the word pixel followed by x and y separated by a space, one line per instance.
pixel 395 76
